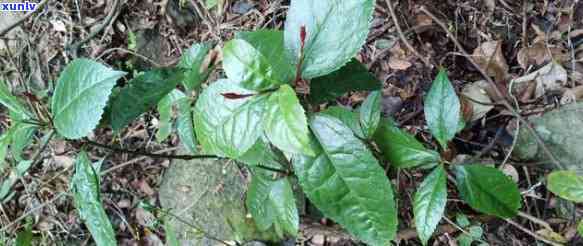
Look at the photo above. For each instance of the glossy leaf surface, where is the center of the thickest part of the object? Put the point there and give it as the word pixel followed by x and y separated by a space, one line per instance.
pixel 354 76
pixel 286 125
pixel 370 113
pixel 401 149
pixel 346 183
pixel 488 190
pixel 245 64
pixel 81 93
pixel 335 32
pixel 143 93
pixel 88 202
pixel 272 204
pixel 442 109
pixel 270 44
pixel 429 203
pixel 191 61
pixel 226 126
pixel 567 185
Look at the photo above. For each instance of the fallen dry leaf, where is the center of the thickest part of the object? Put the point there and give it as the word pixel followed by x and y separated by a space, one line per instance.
pixel 399 64
pixel 537 54
pixel 490 58
pixel 63 161
pixel 423 20
pixel 551 235
pixel 479 98
pixel 59 26
pixel 550 77
pixel 511 172
pixel 572 95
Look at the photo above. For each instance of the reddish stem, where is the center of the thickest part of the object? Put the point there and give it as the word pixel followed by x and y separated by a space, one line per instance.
pixel 303 35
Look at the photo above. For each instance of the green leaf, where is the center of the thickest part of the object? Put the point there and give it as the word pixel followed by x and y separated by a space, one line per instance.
pixel 24 238
pixel 442 109
pixel 429 204
pixel 335 32
pixel 85 187
pixel 5 140
pixel 171 237
pixel 401 149
pixel 580 228
pixel 165 110
pixel 209 4
pixel 488 190
pixel 185 125
pixel 228 127
pixel 347 184
pixel 465 240
pixel 142 93
pixel 370 113
pixel 261 154
pixel 354 76
pixel 349 118
pixel 191 61
pixel 462 220
pixel 567 185
pixel 286 125
pixel 81 94
pixel 270 44
pixel 11 102
pixel 272 204
pixel 22 136
pixel 13 177
pixel 243 63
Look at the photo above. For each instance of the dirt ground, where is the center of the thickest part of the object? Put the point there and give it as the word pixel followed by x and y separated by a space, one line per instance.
pixel 526 35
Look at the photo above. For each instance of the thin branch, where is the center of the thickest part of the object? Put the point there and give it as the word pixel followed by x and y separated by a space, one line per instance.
pixel 533 234
pixel 151 155
pixel 144 58
pixel 402 35
pixel 499 93
pixel 28 15
pixel 25 215
pixel 75 47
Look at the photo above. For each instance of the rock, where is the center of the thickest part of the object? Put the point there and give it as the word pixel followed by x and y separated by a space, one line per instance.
pixel 150 44
pixel 183 15
pixel 211 195
pixel 242 7
pixel 561 131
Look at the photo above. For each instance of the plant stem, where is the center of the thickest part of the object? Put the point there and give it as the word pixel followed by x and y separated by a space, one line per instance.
pixel 152 155
pixel 275 170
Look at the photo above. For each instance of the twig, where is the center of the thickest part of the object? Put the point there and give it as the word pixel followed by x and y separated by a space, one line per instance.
pixel 152 155
pixel 106 52
pixel 496 89
pixel 534 220
pixel 75 47
pixel 28 15
pixel 43 147
pixel 402 36
pixel 533 234
pixel 133 161
pixel 25 215
pixel 198 228
pixel 206 17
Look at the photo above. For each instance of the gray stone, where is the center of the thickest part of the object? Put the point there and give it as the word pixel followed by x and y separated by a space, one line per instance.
pixel 561 130
pixel 210 195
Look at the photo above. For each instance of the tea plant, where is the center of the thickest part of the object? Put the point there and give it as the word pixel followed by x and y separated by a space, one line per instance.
pixel 255 116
